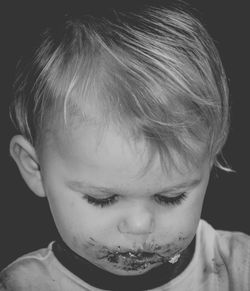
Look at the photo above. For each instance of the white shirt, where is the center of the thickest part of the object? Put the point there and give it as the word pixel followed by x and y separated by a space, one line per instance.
pixel 221 262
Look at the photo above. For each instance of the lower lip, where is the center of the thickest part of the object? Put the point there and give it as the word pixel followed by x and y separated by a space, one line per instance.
pixel 133 263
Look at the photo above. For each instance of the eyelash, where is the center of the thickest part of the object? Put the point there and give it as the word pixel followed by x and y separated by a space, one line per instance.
pixel 163 200
pixel 171 200
pixel 101 202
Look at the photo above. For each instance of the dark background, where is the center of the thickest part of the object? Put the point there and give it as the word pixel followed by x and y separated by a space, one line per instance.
pixel 25 220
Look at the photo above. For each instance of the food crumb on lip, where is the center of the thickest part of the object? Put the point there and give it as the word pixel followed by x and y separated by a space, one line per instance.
pixel 138 255
pixel 133 261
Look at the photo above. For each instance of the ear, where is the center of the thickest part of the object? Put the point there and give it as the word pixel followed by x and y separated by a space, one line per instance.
pixel 26 159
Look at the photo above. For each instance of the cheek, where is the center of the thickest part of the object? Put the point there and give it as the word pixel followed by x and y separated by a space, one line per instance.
pixel 64 214
pixel 178 227
pixel 189 214
pixel 75 219
pixel 176 238
pixel 67 211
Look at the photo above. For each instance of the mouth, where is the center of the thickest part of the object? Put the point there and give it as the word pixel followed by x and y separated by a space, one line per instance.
pixel 138 256
pixel 134 260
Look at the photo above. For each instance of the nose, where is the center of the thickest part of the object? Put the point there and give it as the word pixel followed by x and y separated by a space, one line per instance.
pixel 139 221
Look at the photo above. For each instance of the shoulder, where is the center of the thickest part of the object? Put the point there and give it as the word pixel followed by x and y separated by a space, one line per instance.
pixel 229 254
pixel 234 247
pixel 26 271
pixel 229 243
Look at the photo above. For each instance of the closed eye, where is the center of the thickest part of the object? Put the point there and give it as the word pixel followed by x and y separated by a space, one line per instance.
pixel 167 200
pixel 101 202
pixel 160 199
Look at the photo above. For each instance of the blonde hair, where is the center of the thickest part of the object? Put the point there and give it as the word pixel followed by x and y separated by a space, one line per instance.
pixel 155 72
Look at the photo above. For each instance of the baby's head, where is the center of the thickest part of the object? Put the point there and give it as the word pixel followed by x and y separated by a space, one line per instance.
pixel 121 119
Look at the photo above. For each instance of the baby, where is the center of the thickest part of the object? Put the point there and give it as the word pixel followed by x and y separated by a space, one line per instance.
pixel 121 117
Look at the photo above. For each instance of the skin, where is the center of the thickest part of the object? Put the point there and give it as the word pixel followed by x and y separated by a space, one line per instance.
pixel 134 234
pixel 136 222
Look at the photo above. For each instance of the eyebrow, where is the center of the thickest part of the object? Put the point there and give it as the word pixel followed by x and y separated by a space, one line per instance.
pixel 84 186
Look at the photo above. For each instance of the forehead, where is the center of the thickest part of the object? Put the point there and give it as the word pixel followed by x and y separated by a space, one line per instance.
pixel 108 151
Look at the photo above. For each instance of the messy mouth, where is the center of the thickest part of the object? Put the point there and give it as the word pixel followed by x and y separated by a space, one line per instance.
pixel 131 260
pixel 139 259
pixel 138 256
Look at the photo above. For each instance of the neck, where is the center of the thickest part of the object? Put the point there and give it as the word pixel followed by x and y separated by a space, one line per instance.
pixel 105 280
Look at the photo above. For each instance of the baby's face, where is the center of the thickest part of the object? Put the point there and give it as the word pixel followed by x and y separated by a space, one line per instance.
pixel 110 215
